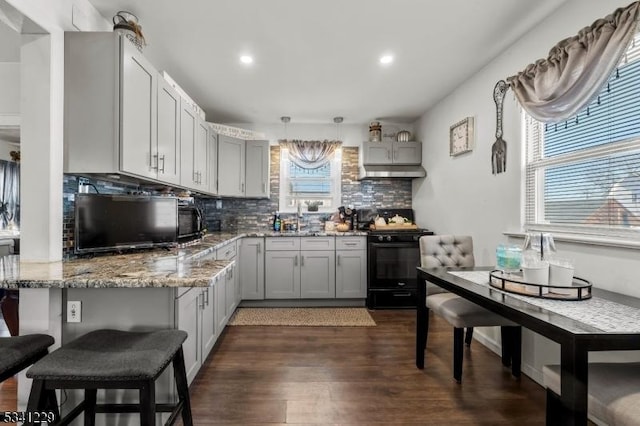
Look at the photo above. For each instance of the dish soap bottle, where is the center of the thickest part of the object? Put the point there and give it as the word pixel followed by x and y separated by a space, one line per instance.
pixel 277 223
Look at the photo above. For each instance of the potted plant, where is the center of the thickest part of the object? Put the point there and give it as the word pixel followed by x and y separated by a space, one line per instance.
pixel 312 206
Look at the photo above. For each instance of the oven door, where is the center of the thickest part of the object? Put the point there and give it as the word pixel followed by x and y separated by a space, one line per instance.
pixel 393 265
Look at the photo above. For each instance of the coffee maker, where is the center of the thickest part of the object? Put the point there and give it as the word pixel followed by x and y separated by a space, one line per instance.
pixel 348 215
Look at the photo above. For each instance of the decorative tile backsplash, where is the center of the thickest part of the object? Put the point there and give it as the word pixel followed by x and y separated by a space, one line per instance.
pixel 249 214
pixel 257 214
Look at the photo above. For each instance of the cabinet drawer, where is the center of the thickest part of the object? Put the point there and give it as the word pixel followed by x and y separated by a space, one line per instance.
pixel 351 243
pixel 283 243
pixel 227 252
pixel 317 243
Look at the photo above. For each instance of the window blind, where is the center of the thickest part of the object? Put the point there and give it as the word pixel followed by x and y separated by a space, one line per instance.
pixel 583 175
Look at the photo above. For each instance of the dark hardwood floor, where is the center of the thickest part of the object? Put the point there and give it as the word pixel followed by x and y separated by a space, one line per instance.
pixel 325 375
pixel 307 375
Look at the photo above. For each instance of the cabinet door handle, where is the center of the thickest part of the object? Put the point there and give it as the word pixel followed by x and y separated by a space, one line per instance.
pixel 301 260
pixel 258 248
pixel 395 155
pixel 161 158
pixel 350 244
pixel 242 186
pixel 338 259
pixel 202 301
pixel 195 177
pixel 206 295
pixel 264 187
pixel 389 155
pixel 295 261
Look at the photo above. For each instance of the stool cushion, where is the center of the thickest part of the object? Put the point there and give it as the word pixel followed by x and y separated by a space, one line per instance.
pixel 105 355
pixel 613 390
pixel 18 349
pixel 462 313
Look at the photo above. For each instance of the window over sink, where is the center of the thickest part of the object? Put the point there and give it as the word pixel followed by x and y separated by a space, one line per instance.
pixel 315 186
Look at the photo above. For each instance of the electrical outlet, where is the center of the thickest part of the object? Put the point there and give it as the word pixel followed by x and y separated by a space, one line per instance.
pixel 74 311
pixel 218 204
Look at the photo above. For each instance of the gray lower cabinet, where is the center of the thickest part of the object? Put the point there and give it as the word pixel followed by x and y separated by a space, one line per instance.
pixel 208 328
pixel 300 268
pixel 318 272
pixel 351 267
pixel 282 274
pixel 251 269
pixel 196 314
pixel 220 304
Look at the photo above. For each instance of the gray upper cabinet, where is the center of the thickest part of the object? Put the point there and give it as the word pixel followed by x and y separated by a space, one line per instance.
pixel 400 153
pixel 193 142
pixel 138 97
pixel 257 169
pixel 188 121
pixel 377 152
pixel 212 159
pixel 231 164
pixel 120 115
pixel 167 160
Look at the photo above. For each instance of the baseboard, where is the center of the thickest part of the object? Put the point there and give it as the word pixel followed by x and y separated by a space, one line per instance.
pixel 303 303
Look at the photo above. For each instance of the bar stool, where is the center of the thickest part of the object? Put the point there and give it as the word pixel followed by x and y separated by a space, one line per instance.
pixel 19 352
pixel 112 359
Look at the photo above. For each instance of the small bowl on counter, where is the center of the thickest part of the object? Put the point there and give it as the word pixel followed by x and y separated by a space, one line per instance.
pixel 342 227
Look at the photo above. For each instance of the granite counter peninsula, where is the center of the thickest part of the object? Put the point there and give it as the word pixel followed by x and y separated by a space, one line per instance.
pixel 183 288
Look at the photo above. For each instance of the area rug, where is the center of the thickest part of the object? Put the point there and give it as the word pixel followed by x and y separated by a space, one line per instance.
pixel 303 317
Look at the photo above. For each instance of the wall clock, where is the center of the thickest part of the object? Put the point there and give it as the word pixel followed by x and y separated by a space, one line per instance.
pixel 461 137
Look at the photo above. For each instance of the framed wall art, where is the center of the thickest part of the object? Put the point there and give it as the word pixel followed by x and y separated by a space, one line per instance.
pixel 461 137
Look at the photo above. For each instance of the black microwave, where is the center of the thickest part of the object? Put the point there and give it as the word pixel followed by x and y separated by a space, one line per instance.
pixel 190 223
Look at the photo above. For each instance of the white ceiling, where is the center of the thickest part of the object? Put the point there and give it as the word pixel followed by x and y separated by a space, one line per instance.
pixel 317 59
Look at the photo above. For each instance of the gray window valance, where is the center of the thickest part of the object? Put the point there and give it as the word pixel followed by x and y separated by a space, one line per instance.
pixel 557 87
pixel 310 154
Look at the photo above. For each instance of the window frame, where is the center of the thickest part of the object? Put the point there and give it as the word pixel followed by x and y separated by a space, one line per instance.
pixel 534 189
pixel 336 183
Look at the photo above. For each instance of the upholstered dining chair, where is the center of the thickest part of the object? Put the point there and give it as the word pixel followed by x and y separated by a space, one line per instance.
pixel 454 251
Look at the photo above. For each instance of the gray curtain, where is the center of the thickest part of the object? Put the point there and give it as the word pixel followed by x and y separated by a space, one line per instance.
pixel 310 154
pixel 9 195
pixel 556 88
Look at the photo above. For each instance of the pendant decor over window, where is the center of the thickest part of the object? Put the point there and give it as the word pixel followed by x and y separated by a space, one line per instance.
pixel 310 154
pixel 556 88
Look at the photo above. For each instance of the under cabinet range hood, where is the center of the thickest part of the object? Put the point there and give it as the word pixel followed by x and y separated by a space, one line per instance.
pixel 378 171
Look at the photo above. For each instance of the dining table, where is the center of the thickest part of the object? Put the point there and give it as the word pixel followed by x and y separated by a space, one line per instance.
pixel 606 321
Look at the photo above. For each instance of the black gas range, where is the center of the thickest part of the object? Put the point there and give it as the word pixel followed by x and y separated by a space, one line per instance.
pixel 393 255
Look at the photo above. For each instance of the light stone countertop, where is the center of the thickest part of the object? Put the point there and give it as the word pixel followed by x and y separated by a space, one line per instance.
pixel 187 266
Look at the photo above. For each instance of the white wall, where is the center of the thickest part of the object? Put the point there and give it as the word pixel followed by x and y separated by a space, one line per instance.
pixel 461 196
pixel 350 134
pixel 42 136
pixel 10 88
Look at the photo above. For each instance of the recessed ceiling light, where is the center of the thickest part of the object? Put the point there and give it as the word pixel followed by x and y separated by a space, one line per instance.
pixel 246 59
pixel 386 59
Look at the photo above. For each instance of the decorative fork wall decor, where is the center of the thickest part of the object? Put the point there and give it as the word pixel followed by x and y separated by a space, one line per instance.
pixel 499 147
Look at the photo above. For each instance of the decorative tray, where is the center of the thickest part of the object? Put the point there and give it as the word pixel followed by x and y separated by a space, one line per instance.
pixel 512 282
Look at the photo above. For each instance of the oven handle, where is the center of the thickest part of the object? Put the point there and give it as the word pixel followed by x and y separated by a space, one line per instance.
pixel 405 244
pixel 401 294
